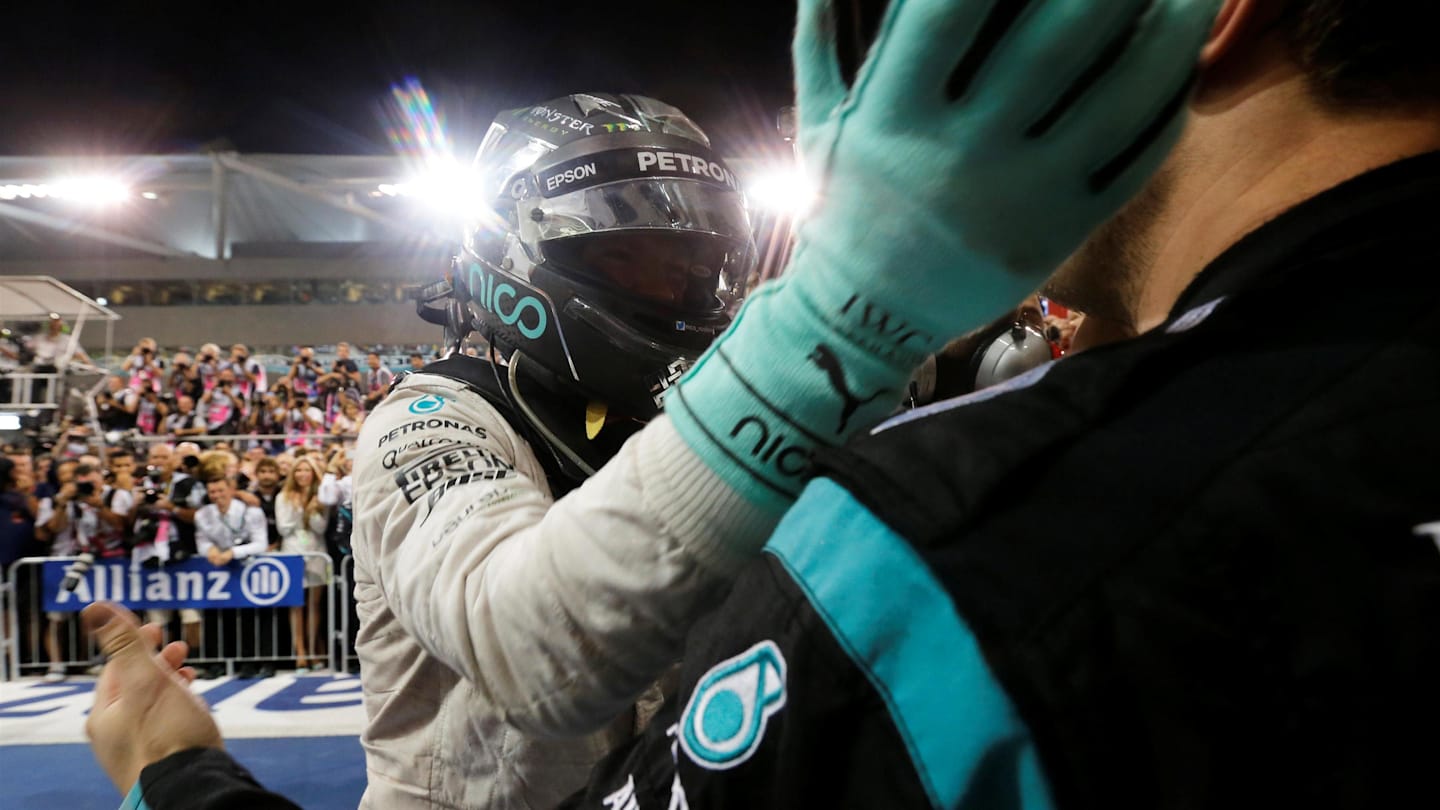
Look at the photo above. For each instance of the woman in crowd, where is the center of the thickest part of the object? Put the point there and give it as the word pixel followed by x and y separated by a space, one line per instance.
pixel 300 517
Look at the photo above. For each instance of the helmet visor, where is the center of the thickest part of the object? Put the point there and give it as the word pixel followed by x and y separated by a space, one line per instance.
pixel 680 270
pixel 676 205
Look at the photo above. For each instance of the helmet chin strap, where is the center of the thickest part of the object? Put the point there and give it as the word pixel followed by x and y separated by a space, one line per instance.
pixel 457 326
pixel 515 359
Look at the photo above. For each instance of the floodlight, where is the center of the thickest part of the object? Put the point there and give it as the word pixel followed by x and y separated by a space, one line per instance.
pixel 90 190
pixel 85 190
pixel 783 190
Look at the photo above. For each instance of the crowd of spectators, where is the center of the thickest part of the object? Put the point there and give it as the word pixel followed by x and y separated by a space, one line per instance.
pixel 210 392
pixel 207 453
pixel 160 503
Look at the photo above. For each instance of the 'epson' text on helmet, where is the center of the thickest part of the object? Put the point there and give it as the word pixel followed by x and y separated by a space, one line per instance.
pixel 570 176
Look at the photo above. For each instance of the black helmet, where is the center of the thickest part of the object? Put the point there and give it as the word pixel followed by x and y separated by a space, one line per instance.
pixel 615 239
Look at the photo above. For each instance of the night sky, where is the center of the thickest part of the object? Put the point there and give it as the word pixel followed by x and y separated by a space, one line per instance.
pixel 133 78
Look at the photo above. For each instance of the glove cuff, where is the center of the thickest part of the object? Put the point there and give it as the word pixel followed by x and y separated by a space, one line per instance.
pixel 805 366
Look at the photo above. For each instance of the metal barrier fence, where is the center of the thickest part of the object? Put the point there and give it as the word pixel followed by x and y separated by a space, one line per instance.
pixel 232 438
pixel 344 636
pixel 227 637
pixel 30 390
pixel 7 638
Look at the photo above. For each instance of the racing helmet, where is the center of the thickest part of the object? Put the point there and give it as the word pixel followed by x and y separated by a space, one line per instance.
pixel 1014 351
pixel 613 244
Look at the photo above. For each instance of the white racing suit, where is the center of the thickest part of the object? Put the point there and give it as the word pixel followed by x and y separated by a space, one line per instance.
pixel 504 636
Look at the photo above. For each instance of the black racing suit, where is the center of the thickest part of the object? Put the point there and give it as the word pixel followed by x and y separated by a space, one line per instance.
pixel 1194 569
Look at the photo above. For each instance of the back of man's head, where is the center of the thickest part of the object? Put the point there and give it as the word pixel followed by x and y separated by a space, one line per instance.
pixel 1365 53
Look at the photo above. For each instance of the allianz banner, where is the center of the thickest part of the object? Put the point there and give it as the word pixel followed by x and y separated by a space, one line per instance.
pixel 266 581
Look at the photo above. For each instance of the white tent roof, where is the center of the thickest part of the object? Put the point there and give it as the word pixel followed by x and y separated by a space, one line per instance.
pixel 33 298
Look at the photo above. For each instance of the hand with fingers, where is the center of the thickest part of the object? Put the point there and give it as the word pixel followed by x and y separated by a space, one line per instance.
pixel 977 145
pixel 981 141
pixel 144 710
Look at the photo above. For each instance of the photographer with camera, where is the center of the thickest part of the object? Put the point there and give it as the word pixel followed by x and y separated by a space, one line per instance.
pixel 207 366
pixel 267 418
pixel 154 408
pixel 224 405
pixel 53 529
pixel 249 374
pixel 180 495
pixel 116 406
pixel 342 381
pixel 304 373
pixel 184 379
pixel 144 366
pixel 303 422
pixel 345 366
pixel 153 526
pixel 88 518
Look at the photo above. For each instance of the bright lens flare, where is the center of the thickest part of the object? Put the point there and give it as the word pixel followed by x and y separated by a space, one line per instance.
pixel 416 128
pixel 445 186
pixel 82 190
pixel 439 181
pixel 783 191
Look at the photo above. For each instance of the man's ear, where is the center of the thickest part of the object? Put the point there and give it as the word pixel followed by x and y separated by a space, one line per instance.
pixel 1228 28
pixel 1231 56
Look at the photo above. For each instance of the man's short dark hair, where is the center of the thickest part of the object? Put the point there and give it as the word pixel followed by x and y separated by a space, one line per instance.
pixel 120 452
pixel 417 354
pixel 82 470
pixel 1366 53
pixel 267 463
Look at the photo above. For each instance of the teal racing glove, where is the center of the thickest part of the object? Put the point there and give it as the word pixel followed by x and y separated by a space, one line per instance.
pixel 980 142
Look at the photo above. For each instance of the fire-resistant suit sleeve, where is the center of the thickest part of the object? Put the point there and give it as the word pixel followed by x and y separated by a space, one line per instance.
pixel 559 613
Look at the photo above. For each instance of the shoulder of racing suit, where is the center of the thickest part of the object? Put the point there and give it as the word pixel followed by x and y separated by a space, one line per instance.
pixel 560 418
